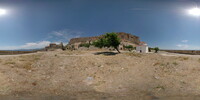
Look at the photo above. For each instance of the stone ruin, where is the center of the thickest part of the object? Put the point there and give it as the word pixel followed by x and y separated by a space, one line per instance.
pixel 54 46
pixel 126 39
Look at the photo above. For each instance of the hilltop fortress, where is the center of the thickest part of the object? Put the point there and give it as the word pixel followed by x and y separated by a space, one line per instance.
pixel 126 39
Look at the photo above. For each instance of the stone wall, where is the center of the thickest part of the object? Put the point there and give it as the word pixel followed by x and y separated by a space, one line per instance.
pixel 54 46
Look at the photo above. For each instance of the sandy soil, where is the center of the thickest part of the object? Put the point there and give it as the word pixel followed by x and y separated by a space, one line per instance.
pixel 93 75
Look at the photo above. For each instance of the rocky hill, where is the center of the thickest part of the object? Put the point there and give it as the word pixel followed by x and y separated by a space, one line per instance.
pixel 126 39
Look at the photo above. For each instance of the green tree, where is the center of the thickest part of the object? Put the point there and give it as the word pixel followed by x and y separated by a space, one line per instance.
pixel 108 40
pixel 129 47
pixel 156 49
pixel 87 45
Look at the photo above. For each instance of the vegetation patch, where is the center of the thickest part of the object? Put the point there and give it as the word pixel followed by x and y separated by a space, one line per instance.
pixel 27 66
pixel 183 58
pixel 160 87
pixel 9 63
pixel 24 61
pixel 129 47
pixel 99 83
pixel 199 60
pixel 87 45
pixel 175 63
pixel 161 64
pixel 133 54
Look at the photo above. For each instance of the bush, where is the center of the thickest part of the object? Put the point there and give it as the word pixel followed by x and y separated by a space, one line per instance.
pixel 87 45
pixel 156 49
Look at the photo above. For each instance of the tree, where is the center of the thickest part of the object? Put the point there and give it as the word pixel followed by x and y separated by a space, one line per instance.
pixel 62 46
pixel 87 45
pixel 129 47
pixel 108 40
pixel 156 49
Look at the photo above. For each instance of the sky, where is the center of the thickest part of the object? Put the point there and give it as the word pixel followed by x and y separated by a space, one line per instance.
pixel 166 24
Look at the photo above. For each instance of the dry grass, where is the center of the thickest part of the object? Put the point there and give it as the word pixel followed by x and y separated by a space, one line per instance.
pixel 199 60
pixel 160 87
pixel 133 54
pixel 72 52
pixel 24 61
pixel 9 63
pixel 27 66
pixel 164 64
pixel 175 63
pixel 182 58
pixel 161 64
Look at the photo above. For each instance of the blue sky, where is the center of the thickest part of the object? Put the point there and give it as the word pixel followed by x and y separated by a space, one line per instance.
pixel 30 24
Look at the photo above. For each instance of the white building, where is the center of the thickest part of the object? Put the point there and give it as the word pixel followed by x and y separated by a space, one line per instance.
pixel 142 48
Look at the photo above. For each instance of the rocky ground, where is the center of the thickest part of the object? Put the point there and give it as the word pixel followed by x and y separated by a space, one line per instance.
pixel 98 75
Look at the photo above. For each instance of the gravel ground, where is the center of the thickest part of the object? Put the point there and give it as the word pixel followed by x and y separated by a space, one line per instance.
pixel 98 75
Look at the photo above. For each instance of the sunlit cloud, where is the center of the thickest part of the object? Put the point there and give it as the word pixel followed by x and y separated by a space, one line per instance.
pixel 64 35
pixel 31 45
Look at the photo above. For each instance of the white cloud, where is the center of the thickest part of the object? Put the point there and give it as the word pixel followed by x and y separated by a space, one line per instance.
pixel 58 33
pixel 184 41
pixel 64 35
pixel 53 37
pixel 31 45
pixel 183 46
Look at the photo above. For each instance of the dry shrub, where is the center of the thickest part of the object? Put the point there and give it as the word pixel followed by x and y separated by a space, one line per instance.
pixel 160 87
pixel 27 65
pixel 160 64
pixel 10 63
pixel 183 58
pixel 199 60
pixel 133 54
pixel 175 63
pixel 156 64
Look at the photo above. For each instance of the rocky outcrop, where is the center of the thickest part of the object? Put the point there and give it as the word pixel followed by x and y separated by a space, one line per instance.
pixel 126 39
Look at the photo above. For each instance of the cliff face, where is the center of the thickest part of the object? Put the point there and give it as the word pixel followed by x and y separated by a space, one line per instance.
pixel 125 37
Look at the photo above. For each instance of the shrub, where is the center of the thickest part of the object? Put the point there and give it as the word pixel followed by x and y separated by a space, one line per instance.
pixel 87 45
pixel 175 63
pixel 156 49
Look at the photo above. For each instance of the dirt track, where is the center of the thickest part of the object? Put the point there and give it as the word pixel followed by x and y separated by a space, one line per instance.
pixel 89 75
